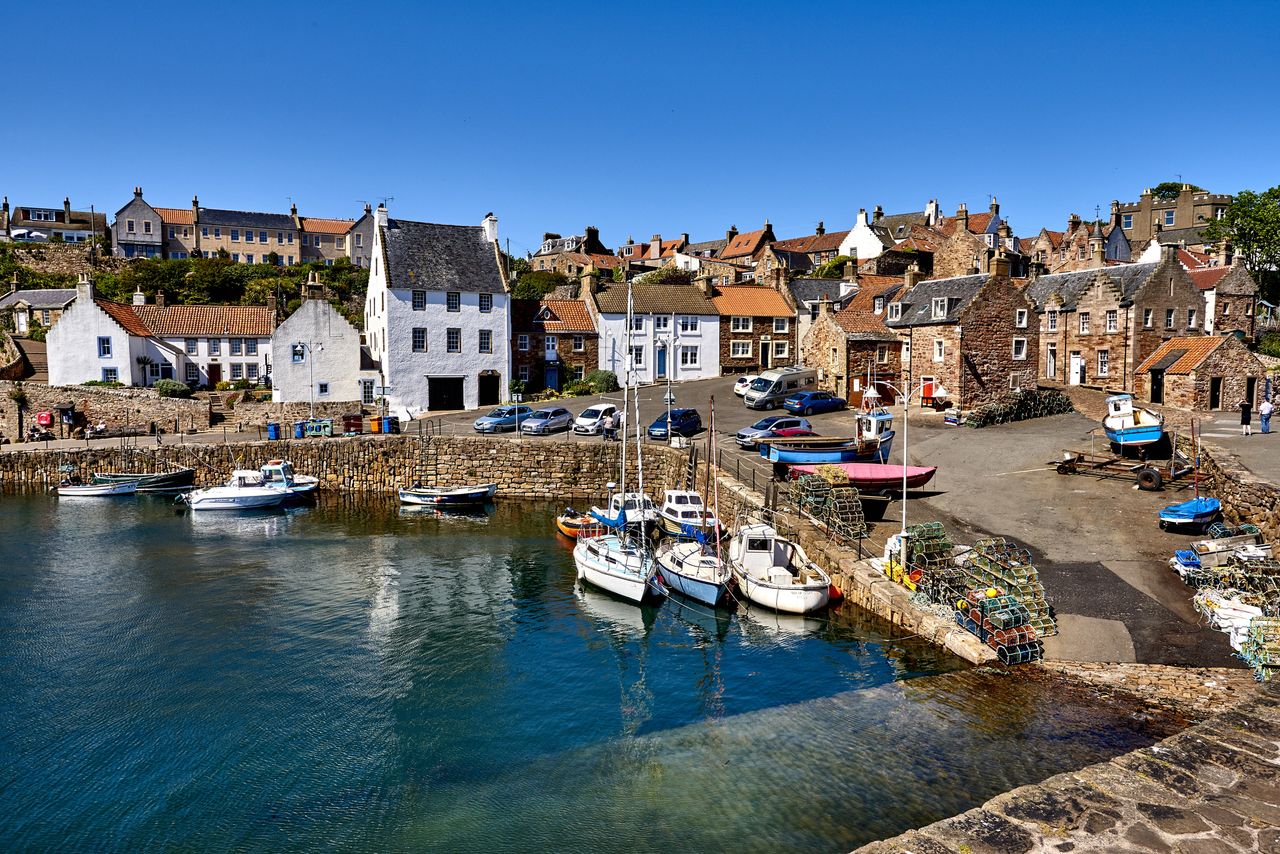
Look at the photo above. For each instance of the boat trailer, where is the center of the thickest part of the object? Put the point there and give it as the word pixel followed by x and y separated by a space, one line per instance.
pixel 1150 475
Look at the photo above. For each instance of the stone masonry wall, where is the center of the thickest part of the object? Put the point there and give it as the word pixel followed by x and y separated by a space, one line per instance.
pixel 946 372
pixel 986 352
pixel 62 259
pixel 117 407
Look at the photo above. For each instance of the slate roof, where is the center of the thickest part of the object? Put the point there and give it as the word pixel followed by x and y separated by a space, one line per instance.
pixel 39 297
pixel 859 318
pixel 714 246
pixel 433 257
pixel 314 225
pixel 1191 353
pixel 1193 234
pixel 812 290
pixel 244 219
pixel 793 259
pixel 172 321
pixel 898 226
pixel 751 301
pixel 79 220
pixel 1069 286
pixel 654 299
pixel 566 315
pixel 917 304
pixel 1237 282
pixel 557 245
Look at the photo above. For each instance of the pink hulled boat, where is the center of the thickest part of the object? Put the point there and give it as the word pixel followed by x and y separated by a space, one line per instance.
pixel 874 477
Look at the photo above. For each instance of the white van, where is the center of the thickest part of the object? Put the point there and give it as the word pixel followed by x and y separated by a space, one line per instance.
pixel 772 387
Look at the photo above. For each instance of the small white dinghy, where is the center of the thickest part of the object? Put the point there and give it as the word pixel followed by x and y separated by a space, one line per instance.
pixel 69 489
pixel 775 572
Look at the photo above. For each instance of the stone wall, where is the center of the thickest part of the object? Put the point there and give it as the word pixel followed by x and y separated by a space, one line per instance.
pixel 119 408
pixel 1245 497
pixel 1169 288
pixel 761 335
pixel 989 369
pixel 63 259
pixel 246 416
pixel 1198 691
pixel 13 365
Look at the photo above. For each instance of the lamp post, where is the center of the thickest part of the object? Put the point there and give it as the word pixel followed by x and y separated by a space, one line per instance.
pixel 906 412
pixel 307 351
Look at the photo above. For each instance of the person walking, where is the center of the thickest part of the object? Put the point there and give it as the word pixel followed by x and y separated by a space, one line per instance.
pixel 1264 415
pixel 1246 417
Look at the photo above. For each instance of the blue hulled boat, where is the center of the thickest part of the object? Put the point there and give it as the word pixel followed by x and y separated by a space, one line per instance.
pixel 872 443
pixel 1197 512
pixel 1126 424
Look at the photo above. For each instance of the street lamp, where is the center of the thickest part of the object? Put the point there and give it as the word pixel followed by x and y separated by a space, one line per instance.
pixel 303 350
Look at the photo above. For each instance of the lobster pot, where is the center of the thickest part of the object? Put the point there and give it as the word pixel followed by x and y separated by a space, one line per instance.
pixel 1001 563
pixel 1261 647
pixel 844 512
pixel 1020 653
pixel 1012 637
pixel 967 623
pixel 810 493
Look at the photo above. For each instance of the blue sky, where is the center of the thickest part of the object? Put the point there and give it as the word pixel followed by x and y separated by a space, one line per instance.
pixel 640 119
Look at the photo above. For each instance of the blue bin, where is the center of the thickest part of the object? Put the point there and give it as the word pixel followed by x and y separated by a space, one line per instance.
pixel 273 431
pixel 299 429
pixel 386 425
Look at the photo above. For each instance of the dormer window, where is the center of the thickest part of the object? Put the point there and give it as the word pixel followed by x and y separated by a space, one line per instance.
pixel 879 305
pixel 939 308
pixel 895 311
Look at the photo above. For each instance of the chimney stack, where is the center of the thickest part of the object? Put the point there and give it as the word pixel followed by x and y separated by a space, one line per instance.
pixel 962 217
pixel 910 279
pixel 368 208
pixel 271 305
pixel 490 226
pixel 655 246
pixel 590 280
pixel 66 209
pixel 84 287
pixel 1073 222
pixel 850 271
pixel 824 305
pixel 879 214
pixel 1169 253
pixel 13 283
pixel 931 213
pixel 821 229
pixel 195 211
pixel 731 233
pixel 139 298
pixel 1000 264
pixel 137 192
pixel 704 283
pixel 380 216
pixel 160 298
pixel 995 208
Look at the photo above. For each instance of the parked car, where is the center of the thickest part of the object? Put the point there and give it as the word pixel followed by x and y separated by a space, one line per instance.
pixel 686 422
pixel 503 418
pixel 809 402
pixel 744 383
pixel 547 421
pixel 591 421
pixel 749 437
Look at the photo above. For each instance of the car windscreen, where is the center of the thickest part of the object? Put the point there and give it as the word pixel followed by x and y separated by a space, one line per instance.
pixel 590 413
pixel 761 384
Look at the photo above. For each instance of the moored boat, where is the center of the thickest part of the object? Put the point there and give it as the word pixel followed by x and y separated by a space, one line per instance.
pixel 279 474
pixel 70 489
pixel 683 514
pixel 462 496
pixel 165 481
pixel 1127 425
pixel 572 524
pixel 875 477
pixel 691 570
pixel 872 442
pixel 619 564
pixel 241 492
pixel 775 572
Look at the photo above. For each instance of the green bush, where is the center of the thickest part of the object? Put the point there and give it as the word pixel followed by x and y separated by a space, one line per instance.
pixel 36 332
pixel 242 385
pixel 578 388
pixel 602 381
pixel 1270 344
pixel 171 388
pixel 102 384
pixel 222 385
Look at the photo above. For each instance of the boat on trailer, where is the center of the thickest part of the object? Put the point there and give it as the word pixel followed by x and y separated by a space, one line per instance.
pixel 1129 425
pixel 775 572
pixel 462 496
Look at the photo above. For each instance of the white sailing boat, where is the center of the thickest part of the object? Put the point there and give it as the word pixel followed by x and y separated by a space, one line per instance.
pixel 775 572
pixel 619 561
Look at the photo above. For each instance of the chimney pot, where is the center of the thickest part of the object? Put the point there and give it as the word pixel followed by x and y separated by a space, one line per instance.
pixel 821 229
pixel 159 299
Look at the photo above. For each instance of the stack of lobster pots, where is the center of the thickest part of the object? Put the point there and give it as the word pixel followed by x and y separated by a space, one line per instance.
pixel 1002 623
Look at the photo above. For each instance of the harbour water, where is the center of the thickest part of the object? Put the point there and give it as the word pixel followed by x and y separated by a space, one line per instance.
pixel 357 676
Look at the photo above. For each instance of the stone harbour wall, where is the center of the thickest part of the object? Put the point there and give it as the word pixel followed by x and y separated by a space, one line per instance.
pixel 1211 788
pixel 1245 497
pixel 1192 691
pixel 118 407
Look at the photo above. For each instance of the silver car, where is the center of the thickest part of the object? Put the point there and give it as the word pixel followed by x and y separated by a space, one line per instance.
pixel 544 421
pixel 749 437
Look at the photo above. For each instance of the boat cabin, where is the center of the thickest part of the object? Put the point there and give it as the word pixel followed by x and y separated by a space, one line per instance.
pixel 766 556
pixel 1120 406
pixel 639 507
pixel 875 425
pixel 686 507
pixel 277 472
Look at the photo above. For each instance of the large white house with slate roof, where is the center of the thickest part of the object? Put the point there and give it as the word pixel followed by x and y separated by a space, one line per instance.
pixel 674 334
pixel 438 315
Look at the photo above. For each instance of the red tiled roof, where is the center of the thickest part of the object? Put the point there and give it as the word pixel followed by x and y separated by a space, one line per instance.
pixel 1207 278
pixel 200 320
pixel 1193 260
pixel 1197 350
pixel 601 262
pixel 743 244
pixel 978 223
pixel 669 247
pixel 123 315
pixel 316 225
pixel 177 216
pixel 566 315
pixel 827 242
pixel 859 315
pixel 751 301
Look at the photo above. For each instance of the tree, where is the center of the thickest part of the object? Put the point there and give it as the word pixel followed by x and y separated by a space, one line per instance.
pixel 1251 225
pixel 1169 190
pixel 536 284
pixel 834 268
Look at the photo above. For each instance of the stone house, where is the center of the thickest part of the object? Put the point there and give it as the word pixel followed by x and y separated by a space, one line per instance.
pixel 1201 373
pixel 968 244
pixel 1231 300
pixel 34 306
pixel 572 255
pixel 819 247
pixel 757 328
pixel 317 356
pixel 323 240
pixel 1149 216
pixel 438 314
pixel 720 272
pixel 674 333
pixel 554 342
pixel 745 248
pixel 972 335
pixel 1083 246
pixel 360 239
pixel 1097 326
pixel 33 224
pixel 853 347
pixel 138 231
pixel 139 343
pixel 808 296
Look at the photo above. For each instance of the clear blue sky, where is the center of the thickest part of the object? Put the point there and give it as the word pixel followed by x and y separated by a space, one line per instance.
pixel 640 118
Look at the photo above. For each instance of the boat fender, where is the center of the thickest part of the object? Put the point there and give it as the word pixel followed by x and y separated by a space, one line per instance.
pixel 834 594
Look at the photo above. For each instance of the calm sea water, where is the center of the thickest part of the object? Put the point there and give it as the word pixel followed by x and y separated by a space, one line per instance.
pixel 359 677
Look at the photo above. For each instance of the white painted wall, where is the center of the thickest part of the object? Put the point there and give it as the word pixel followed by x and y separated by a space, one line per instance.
pixel 73 346
pixel 615 341
pixel 861 240
pixel 332 356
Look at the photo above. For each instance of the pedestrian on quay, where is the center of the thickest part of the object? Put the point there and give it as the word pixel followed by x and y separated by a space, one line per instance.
pixel 1264 415
pixel 1246 417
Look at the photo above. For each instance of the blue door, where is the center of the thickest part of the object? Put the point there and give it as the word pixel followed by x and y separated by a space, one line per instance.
pixel 662 362
pixel 553 377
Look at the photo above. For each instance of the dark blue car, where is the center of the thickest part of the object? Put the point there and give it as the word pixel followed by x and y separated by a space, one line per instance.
pixel 686 422
pixel 809 402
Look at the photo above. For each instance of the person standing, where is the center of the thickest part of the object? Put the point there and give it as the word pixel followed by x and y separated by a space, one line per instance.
pixel 1264 415
pixel 1246 417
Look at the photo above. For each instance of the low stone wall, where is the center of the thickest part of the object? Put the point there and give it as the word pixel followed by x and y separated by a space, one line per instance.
pixel 64 259
pixel 1245 497
pixel 13 365
pixel 118 407
pixel 1193 691
pixel 1211 788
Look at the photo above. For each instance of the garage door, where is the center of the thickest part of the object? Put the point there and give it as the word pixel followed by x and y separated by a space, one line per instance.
pixel 444 393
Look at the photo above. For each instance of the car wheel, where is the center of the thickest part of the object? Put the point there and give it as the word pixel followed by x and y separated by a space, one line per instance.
pixel 770 405
pixel 808 410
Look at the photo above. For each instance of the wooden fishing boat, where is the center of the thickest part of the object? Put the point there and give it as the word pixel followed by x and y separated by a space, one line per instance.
pixel 1127 425
pixel 775 572
pixel 165 481
pixel 462 496
pixel 875 477
pixel 70 489
pixel 872 442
